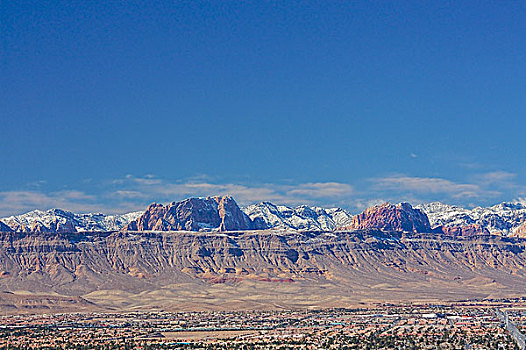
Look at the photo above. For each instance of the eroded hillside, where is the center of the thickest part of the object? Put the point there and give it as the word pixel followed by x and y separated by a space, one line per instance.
pixel 260 269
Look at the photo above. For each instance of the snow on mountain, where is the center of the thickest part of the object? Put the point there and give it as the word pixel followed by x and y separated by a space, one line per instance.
pixel 264 215
pixel 391 217
pixel 504 217
pixel 193 214
pixel 268 215
pixel 58 220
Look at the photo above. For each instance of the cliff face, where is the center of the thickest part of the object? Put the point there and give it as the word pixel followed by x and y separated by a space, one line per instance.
pixel 4 227
pixel 193 214
pixel 266 215
pixel 466 230
pixel 503 218
pixel 159 268
pixel 520 231
pixel 390 217
pixel 222 213
pixel 58 220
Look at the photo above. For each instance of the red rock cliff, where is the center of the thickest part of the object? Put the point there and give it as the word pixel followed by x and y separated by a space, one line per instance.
pixel 390 217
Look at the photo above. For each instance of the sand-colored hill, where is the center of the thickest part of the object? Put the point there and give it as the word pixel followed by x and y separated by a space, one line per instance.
pixel 258 269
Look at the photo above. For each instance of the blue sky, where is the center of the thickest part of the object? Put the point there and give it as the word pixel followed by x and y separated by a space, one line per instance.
pixel 109 106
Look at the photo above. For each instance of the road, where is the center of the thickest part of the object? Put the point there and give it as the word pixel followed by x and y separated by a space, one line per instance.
pixel 510 326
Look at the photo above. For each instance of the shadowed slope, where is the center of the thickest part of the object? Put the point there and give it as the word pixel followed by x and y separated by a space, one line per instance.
pixel 260 269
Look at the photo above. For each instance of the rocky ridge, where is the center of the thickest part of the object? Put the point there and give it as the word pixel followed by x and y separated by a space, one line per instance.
pixel 391 217
pixel 157 261
pixel 267 215
pixel 520 231
pixel 204 270
pixel 58 220
pixel 502 218
pixel 466 230
pixel 4 227
pixel 194 214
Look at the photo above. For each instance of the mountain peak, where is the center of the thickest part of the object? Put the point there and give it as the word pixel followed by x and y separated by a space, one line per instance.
pixel 391 217
pixel 193 214
pixel 221 213
pixel 268 215
pixel 59 220
pixel 501 218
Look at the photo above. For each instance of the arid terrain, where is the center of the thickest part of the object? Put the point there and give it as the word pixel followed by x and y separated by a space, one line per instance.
pixel 251 270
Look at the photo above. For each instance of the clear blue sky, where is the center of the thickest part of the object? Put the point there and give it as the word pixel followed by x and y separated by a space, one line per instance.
pixel 115 104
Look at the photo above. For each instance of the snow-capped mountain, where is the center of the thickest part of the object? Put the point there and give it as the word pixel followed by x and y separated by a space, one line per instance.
pixel 391 217
pixel 264 215
pixel 58 220
pixel 193 214
pixel 504 217
pixel 268 215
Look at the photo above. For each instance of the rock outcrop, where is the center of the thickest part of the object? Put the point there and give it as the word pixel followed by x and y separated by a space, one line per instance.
pixel 520 231
pixel 466 230
pixel 4 227
pixel 39 227
pixel 222 213
pixel 270 216
pixel 505 217
pixel 194 214
pixel 180 270
pixel 390 217
pixel 58 220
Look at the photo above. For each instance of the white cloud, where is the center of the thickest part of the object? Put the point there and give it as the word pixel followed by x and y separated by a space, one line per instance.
pixel 15 202
pixel 322 190
pixel 128 194
pixel 497 178
pixel 135 193
pixel 432 185
pixel 244 194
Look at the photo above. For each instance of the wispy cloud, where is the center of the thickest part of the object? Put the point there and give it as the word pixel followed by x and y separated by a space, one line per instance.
pixel 499 178
pixel 12 202
pixel 128 194
pixel 135 192
pixel 139 187
pixel 322 190
pixel 502 181
pixel 431 185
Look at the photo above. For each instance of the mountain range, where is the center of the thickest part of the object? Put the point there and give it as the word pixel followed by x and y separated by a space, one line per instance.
pixel 247 270
pixel 223 214
pixel 503 218
pixel 58 220
pixel 208 253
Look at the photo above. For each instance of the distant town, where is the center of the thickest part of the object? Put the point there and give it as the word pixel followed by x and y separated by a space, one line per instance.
pixel 488 324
